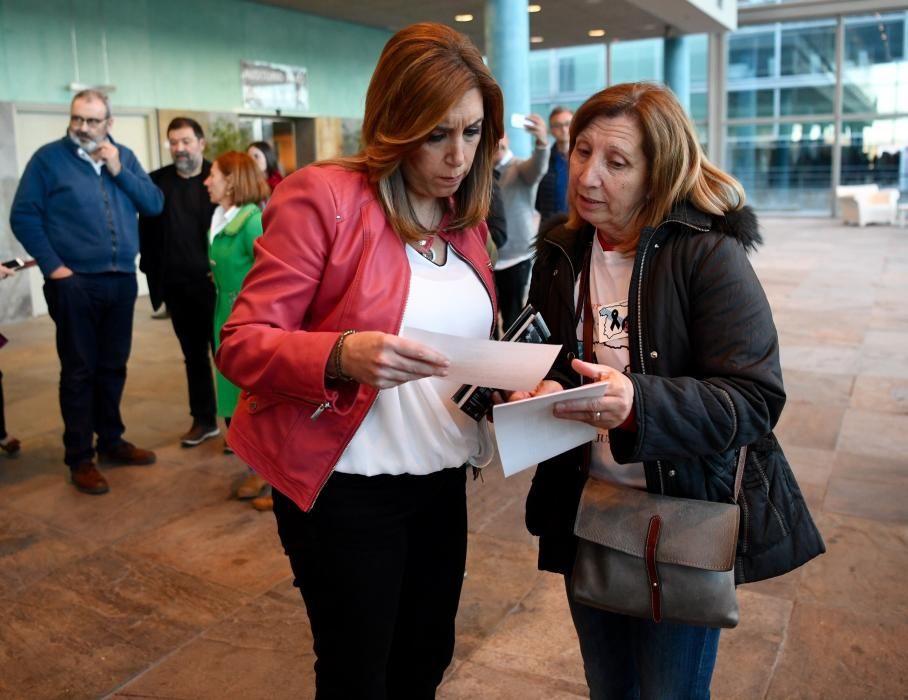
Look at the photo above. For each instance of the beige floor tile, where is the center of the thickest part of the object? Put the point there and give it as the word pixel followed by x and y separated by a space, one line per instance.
pixel 841 654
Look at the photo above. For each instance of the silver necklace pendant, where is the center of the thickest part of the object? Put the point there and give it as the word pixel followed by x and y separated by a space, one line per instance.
pixel 425 249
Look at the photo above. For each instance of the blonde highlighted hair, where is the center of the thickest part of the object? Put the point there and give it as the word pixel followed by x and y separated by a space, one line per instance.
pixel 677 168
pixel 423 71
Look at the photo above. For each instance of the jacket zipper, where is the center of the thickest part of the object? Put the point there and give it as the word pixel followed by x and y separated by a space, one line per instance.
pixel 734 414
pixel 640 314
pixel 108 212
pixel 765 480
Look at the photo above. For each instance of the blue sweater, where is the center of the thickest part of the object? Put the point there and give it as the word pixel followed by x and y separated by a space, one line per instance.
pixel 66 214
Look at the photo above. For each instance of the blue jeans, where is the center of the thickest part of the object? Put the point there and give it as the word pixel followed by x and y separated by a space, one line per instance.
pixel 629 658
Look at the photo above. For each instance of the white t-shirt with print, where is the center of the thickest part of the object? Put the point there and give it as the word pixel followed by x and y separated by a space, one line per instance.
pixel 610 280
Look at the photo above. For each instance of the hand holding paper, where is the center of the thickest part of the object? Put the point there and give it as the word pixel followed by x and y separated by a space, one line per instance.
pixel 509 366
pixel 528 432
pixel 607 410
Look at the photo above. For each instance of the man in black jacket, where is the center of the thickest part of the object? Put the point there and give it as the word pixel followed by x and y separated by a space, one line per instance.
pixel 174 249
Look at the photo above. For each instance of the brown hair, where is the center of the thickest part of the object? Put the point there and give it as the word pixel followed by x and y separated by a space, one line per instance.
pixel 247 183
pixel 422 72
pixel 677 168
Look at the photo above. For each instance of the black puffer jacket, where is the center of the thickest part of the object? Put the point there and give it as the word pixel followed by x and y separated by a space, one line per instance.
pixel 705 367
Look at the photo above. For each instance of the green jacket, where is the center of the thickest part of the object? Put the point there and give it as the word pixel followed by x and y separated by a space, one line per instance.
pixel 231 256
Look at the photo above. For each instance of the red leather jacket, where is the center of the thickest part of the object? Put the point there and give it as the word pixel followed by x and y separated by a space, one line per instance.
pixel 328 261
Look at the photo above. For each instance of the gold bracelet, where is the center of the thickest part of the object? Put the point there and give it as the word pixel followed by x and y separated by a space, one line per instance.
pixel 338 349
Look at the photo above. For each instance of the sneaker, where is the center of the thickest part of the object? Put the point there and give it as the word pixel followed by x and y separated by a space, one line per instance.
pixel 251 487
pixel 127 454
pixel 10 446
pixel 162 312
pixel 87 479
pixel 198 433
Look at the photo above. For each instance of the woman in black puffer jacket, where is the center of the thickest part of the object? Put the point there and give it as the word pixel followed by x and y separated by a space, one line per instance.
pixel 654 251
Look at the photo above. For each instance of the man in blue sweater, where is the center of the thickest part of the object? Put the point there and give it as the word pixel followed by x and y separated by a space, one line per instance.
pixel 76 212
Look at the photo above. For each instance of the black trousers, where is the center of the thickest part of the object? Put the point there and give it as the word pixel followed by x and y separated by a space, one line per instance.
pixel 511 285
pixel 380 563
pixel 93 315
pixel 191 307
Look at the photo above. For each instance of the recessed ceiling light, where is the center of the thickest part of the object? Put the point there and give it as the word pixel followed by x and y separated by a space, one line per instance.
pixel 463 18
pixel 534 8
pixel 596 32
pixel 535 39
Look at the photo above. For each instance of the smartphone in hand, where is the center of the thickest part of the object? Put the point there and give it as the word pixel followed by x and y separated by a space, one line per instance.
pixel 18 264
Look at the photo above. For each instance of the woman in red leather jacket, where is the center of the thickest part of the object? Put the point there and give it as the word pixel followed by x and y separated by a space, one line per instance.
pixel 367 462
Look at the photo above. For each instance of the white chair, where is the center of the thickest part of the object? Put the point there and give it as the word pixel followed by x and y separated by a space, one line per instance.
pixel 867 204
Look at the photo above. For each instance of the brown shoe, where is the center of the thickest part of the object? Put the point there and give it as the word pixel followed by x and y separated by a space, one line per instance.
pixel 88 479
pixel 263 503
pixel 127 454
pixel 251 487
pixel 10 446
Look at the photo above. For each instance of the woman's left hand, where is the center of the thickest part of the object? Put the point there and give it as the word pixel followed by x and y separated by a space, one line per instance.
pixel 607 411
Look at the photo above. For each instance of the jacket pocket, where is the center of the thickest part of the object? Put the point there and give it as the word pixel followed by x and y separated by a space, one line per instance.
pixel 765 499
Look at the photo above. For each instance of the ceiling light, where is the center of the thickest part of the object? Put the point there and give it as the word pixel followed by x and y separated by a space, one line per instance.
pixel 534 8
pixel 596 32
pixel 463 18
pixel 535 39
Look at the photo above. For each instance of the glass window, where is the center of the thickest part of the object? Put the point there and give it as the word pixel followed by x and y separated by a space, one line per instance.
pixel 751 54
pixel 875 151
pixel 566 77
pixel 784 167
pixel 808 49
pixel 637 60
pixel 875 69
pixel 743 104
pixel 816 99
pixel 539 75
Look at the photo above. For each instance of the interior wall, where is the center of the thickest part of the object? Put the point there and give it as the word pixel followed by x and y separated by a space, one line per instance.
pixel 181 54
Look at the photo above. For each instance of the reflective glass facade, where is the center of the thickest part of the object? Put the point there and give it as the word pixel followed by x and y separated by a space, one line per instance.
pixel 799 117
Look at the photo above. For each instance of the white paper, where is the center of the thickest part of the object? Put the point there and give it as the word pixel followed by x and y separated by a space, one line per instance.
pixel 527 432
pixel 498 364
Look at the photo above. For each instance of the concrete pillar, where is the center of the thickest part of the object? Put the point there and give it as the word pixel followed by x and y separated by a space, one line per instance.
pixel 507 25
pixel 676 62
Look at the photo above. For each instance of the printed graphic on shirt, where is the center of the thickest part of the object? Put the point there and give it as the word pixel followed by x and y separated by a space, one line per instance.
pixel 611 325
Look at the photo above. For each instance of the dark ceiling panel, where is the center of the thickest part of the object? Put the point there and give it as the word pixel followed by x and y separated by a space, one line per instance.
pixel 559 23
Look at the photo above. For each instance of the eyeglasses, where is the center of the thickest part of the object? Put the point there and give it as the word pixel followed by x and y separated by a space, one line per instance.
pixel 76 120
pixel 561 125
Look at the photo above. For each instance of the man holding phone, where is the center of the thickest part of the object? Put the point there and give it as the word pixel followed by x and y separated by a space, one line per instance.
pixel 518 179
pixel 75 212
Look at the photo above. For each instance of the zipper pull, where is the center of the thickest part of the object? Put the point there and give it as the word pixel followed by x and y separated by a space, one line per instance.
pixel 321 409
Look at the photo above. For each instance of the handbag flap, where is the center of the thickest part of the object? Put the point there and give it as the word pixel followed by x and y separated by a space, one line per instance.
pixel 695 533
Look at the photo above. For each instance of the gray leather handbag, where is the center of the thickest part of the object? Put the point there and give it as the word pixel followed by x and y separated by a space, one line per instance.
pixel 658 557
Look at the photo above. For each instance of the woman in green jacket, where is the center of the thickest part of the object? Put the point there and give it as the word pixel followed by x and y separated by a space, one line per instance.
pixel 236 185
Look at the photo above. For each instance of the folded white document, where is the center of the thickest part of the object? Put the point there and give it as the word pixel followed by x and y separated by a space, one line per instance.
pixel 492 363
pixel 527 432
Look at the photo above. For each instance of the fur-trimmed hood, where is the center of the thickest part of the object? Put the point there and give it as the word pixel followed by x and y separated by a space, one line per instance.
pixel 742 225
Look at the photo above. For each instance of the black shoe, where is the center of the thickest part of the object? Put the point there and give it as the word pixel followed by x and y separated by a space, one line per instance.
pixel 198 433
pixel 88 479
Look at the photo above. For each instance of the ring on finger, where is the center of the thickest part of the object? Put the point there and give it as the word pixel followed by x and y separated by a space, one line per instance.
pixel 597 415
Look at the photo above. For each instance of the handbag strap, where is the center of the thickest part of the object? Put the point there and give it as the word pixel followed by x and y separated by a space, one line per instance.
pixel 584 308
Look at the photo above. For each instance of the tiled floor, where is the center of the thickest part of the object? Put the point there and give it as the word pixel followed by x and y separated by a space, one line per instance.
pixel 167 588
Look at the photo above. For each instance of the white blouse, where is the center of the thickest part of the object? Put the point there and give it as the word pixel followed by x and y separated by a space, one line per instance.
pixel 416 428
